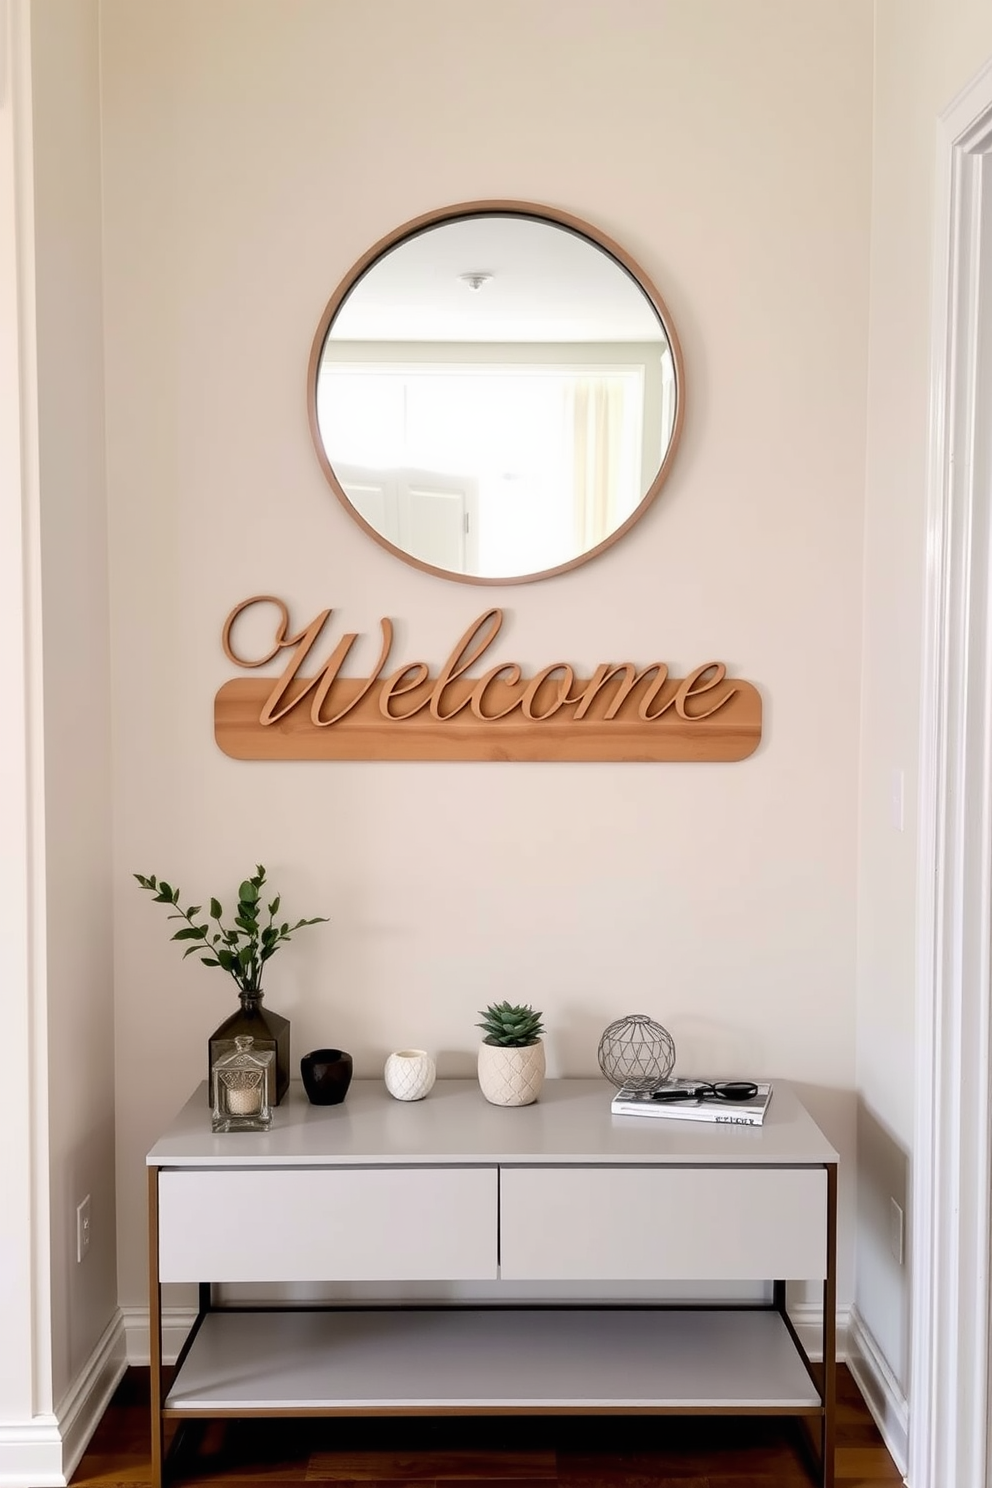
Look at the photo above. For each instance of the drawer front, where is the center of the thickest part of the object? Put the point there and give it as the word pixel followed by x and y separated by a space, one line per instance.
pixel 346 1224
pixel 676 1224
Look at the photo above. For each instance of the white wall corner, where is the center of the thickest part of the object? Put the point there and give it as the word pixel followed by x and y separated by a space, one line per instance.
pixel 858 1350
pixel 44 1452
pixel 807 1319
pixel 881 1390
pixel 86 1400
pixel 176 1324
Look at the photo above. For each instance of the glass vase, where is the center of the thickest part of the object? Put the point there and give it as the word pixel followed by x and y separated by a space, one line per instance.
pixel 269 1030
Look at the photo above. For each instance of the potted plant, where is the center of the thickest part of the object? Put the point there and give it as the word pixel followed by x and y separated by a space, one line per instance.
pixel 241 947
pixel 511 1056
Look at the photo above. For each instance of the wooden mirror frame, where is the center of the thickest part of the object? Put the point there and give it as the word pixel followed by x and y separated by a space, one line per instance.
pixel 481 209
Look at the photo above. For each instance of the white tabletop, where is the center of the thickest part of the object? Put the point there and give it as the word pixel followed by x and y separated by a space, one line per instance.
pixel 455 1124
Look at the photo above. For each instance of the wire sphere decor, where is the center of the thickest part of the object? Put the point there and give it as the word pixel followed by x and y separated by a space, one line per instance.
pixel 637 1052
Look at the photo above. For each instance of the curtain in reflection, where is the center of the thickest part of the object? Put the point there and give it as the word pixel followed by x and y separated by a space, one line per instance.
pixel 595 413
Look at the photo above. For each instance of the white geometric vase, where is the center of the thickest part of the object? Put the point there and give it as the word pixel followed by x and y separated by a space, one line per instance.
pixel 511 1076
pixel 409 1074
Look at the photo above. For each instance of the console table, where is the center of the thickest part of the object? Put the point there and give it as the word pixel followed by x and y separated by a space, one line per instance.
pixel 453 1189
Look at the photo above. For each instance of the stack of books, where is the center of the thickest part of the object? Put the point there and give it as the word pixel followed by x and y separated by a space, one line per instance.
pixel 707 1107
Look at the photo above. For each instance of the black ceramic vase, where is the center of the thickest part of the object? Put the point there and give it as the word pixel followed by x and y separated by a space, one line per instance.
pixel 268 1029
pixel 326 1076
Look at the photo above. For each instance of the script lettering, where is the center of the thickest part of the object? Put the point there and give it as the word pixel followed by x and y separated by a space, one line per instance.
pixel 688 689
pixel 536 682
pixel 620 712
pixel 484 631
pixel 604 674
pixel 321 684
pixel 331 671
pixel 512 671
pixel 280 641
pixel 644 711
pixel 395 686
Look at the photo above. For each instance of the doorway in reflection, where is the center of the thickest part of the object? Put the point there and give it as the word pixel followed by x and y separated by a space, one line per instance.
pixel 490 470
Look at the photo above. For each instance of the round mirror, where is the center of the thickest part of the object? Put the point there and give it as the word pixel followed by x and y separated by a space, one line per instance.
pixel 496 392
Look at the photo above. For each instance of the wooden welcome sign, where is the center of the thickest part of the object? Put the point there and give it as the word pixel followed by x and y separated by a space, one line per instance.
pixel 618 713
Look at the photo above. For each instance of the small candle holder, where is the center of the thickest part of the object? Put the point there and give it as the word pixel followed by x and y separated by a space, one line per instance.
pixel 240 1088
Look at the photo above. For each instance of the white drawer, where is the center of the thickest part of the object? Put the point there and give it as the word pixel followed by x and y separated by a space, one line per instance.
pixel 677 1224
pixel 319 1224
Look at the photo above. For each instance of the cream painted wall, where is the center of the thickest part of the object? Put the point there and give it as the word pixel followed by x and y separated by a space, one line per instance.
pixel 926 51
pixel 55 799
pixel 76 675
pixel 252 150
pixel 24 1291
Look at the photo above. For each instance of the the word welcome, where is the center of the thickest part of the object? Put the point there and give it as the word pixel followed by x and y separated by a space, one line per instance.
pixel 620 712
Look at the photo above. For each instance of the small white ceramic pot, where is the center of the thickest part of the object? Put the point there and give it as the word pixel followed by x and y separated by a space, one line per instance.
pixel 409 1074
pixel 511 1077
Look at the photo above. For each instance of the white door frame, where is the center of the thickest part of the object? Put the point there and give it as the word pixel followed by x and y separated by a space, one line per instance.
pixel 949 1440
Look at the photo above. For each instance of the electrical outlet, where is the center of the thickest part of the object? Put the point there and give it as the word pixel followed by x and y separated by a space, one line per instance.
pixel 896 1230
pixel 83 1228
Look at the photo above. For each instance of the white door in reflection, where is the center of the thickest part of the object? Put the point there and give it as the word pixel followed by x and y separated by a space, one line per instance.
pixel 486 470
pixel 429 514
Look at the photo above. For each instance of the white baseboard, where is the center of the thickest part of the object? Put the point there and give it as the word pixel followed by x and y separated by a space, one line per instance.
pixel 858 1350
pixel 807 1319
pixel 80 1411
pixel 176 1323
pixel 31 1455
pixel 45 1451
pixel 880 1388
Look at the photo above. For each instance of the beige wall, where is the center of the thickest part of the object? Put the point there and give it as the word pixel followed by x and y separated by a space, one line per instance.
pixel 24 1291
pixel 253 149
pixel 926 52
pixel 79 1017
pixel 55 797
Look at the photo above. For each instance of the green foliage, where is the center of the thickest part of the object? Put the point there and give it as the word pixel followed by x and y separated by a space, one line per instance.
pixel 513 1027
pixel 241 949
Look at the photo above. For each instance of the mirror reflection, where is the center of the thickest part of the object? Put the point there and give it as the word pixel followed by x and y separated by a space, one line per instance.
pixel 496 394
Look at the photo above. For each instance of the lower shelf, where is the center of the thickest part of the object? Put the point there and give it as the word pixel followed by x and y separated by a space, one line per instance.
pixel 441 1360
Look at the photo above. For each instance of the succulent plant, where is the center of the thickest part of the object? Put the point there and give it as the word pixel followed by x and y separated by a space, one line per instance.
pixel 513 1027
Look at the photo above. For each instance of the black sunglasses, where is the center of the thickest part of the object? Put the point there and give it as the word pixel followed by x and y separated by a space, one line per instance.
pixel 727 1090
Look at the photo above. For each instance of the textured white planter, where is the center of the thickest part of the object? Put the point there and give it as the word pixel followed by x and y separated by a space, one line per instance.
pixel 409 1074
pixel 511 1077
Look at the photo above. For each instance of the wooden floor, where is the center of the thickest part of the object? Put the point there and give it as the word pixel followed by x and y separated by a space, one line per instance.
pixel 461 1452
